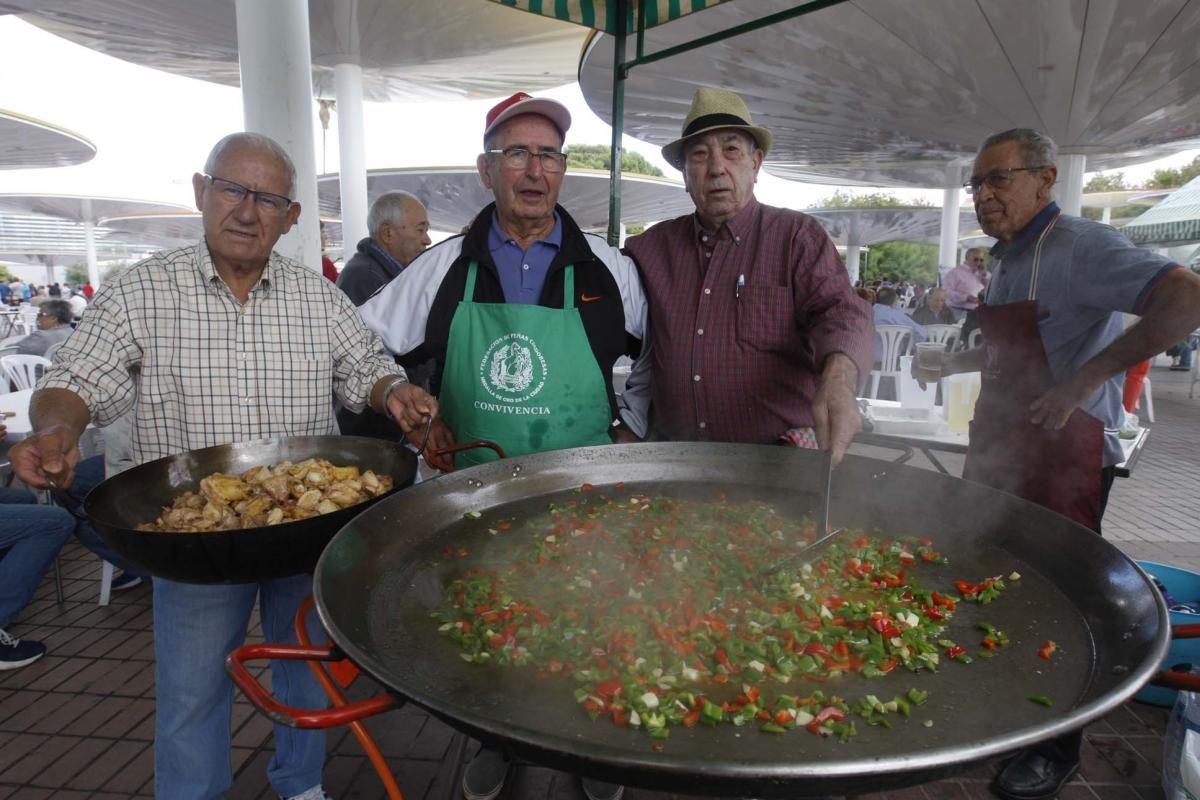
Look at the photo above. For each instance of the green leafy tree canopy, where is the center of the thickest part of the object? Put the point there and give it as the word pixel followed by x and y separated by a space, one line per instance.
pixel 1100 182
pixel 902 261
pixel 599 156
pixel 6 276
pixel 840 199
pixel 1171 178
pixel 77 274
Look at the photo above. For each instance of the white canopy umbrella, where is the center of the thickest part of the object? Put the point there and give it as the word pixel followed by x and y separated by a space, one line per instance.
pixel 455 195
pixel 347 49
pixel 902 92
pixel 28 143
pixel 85 211
pixel 179 228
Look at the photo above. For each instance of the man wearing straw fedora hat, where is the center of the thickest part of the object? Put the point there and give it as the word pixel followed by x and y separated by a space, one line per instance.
pixel 757 333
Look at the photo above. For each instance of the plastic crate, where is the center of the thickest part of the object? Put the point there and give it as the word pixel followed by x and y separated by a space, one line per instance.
pixel 1184 655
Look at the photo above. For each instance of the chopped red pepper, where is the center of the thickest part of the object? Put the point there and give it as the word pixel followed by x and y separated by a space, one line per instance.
pixel 1047 650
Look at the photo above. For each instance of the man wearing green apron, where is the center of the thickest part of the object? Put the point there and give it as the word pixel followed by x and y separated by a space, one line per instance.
pixel 523 317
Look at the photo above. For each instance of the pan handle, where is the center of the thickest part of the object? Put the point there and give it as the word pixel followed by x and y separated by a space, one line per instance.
pixel 266 702
pixel 1184 681
pixel 441 462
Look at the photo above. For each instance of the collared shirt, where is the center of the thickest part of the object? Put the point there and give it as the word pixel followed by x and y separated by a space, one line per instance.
pixel 214 370
pixel 523 272
pixel 887 315
pixel 1087 273
pixel 963 285
pixel 742 320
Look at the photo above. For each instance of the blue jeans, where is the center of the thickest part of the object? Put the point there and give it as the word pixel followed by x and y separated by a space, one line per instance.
pixel 32 534
pixel 195 628
pixel 88 474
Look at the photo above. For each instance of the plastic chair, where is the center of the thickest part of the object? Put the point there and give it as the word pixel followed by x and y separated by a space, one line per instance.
pixel 23 370
pixel 975 339
pixel 946 334
pixel 897 339
pixel 51 350
pixel 1146 399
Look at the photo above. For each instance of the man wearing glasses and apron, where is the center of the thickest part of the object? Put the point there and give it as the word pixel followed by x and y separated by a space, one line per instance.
pixel 1054 351
pixel 523 316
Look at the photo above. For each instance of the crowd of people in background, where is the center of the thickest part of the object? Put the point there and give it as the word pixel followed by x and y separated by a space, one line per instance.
pixel 15 293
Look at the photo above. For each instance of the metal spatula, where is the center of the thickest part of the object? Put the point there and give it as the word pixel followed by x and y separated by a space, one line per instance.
pixel 824 534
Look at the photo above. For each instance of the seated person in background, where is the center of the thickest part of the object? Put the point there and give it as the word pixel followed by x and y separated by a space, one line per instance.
pixel 934 311
pixel 30 536
pixel 886 313
pixel 918 296
pixel 54 326
pixel 865 294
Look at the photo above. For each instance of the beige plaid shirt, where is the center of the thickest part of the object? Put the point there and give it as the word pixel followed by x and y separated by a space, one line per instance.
pixel 212 370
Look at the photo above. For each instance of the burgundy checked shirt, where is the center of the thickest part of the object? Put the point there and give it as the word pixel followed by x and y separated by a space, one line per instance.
pixel 742 321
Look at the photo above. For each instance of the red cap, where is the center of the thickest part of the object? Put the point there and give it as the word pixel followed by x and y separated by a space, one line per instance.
pixel 521 103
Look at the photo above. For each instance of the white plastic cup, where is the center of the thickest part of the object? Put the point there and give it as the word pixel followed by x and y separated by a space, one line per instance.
pixel 931 355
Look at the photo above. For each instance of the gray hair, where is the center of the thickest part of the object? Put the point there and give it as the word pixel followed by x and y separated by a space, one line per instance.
pixel 1038 149
pixel 388 207
pixel 58 310
pixel 259 142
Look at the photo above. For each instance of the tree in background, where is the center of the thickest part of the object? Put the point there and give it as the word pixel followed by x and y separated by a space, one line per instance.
pixel 599 156
pixel 899 261
pixel 840 199
pixel 1173 178
pixel 1114 182
pixel 5 275
pixel 77 274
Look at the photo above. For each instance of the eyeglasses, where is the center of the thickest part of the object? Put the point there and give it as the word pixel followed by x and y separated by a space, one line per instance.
pixel 997 179
pixel 518 158
pixel 43 315
pixel 234 193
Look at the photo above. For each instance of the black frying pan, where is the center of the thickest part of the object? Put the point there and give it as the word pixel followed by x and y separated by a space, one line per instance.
pixel 121 503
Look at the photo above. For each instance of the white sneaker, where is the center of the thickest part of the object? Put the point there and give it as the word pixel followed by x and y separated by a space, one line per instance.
pixel 312 793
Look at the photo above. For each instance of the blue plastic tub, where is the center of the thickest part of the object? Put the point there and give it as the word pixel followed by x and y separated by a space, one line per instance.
pixel 1184 656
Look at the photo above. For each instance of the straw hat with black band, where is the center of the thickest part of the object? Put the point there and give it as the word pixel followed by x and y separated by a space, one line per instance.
pixel 715 109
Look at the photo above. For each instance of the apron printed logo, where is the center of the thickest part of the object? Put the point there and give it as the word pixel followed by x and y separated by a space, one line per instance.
pixel 513 369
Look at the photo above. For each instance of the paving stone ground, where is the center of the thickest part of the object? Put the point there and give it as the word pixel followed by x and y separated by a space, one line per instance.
pixel 80 722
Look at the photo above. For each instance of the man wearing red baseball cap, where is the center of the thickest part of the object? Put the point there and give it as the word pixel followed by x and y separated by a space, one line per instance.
pixel 523 317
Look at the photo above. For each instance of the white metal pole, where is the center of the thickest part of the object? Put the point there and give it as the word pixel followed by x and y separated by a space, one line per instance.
pixel 1069 189
pixel 951 207
pixel 1106 216
pixel 277 100
pixel 89 241
pixel 852 258
pixel 352 157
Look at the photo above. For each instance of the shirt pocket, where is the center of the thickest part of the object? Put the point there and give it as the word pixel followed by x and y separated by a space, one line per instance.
pixel 297 392
pixel 766 318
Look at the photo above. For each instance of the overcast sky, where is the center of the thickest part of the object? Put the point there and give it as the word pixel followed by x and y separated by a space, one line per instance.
pixel 153 129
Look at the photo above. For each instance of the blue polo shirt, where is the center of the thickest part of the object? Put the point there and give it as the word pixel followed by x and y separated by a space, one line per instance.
pixel 523 272
pixel 1088 273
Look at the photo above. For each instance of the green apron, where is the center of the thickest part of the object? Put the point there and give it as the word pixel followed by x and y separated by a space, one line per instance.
pixel 522 376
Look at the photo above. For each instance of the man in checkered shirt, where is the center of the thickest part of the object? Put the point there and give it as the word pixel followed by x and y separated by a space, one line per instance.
pixel 230 342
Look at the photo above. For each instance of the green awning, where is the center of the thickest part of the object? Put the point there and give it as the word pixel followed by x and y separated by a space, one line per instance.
pixel 1175 220
pixel 601 15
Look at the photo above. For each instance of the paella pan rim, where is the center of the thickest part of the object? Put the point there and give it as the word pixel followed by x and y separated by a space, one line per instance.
pixel 563 470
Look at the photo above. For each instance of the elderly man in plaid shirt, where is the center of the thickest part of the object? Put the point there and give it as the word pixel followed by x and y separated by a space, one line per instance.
pixel 757 333
pixel 230 342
